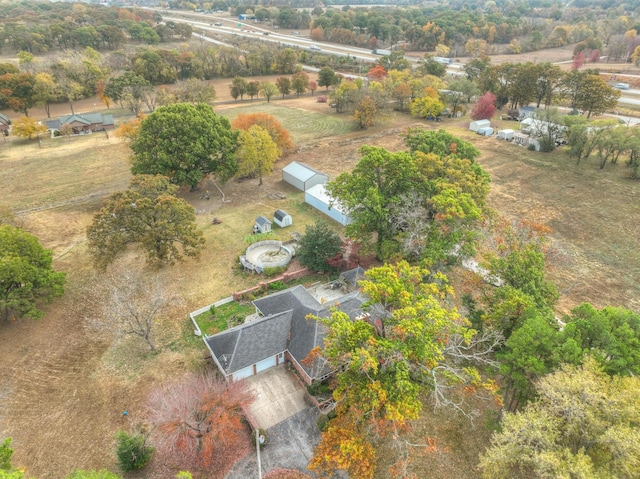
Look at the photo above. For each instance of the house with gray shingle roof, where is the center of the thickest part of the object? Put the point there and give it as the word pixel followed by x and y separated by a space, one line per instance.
pixel 4 123
pixel 84 123
pixel 284 331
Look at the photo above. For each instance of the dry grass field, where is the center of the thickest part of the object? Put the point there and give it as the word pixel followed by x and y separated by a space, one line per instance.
pixel 64 387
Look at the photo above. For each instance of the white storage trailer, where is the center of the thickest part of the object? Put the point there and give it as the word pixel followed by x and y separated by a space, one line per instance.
pixel 476 125
pixel 507 134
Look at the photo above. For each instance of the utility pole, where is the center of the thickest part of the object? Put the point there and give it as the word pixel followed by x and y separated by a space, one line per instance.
pixel 258 452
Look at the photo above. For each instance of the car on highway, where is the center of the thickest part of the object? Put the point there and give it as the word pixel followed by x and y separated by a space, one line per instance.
pixel 314 47
pixel 265 33
pixel 621 86
pixel 217 24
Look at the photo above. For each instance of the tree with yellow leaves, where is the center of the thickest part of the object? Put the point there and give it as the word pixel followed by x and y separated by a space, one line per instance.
pixel 257 152
pixel 409 344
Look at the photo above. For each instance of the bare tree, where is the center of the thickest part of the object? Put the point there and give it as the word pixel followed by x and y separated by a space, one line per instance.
pixel 132 305
pixel 410 218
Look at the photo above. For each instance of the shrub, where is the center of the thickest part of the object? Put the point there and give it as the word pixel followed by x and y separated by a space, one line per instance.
pixel 254 238
pixel 269 272
pixel 277 286
pixel 133 452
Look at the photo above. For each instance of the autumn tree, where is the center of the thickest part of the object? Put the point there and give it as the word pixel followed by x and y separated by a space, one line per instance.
pixel 317 245
pixel 300 82
pixel 268 89
pixel 584 424
pixel 238 87
pixel 198 422
pixel 485 107
pixel 194 91
pixel 365 112
pixel 148 214
pixel 388 360
pixel 253 88
pixel 377 73
pixel 284 85
pixel 257 152
pixel 185 143
pixel 426 107
pixel 129 130
pixel 17 92
pixel 515 258
pixel 270 123
pixel 27 277
pixel 27 127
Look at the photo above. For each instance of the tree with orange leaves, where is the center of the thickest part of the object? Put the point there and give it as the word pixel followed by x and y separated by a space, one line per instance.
pixel 198 422
pixel 377 73
pixel 277 133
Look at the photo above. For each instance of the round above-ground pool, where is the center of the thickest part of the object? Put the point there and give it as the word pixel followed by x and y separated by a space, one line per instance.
pixel 268 254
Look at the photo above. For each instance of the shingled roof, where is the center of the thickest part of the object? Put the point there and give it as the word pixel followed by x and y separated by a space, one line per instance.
pixel 286 325
pixel 245 345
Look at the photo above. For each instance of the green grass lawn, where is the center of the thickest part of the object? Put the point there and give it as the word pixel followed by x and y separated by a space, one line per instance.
pixel 226 316
pixel 302 125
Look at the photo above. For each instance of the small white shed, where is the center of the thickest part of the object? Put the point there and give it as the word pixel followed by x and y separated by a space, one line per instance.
pixel 476 125
pixel 302 176
pixel 318 197
pixel 485 131
pixel 282 218
pixel 262 225
pixel 507 134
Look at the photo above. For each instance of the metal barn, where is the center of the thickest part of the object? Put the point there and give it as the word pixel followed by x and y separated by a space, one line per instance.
pixel 318 197
pixel 302 176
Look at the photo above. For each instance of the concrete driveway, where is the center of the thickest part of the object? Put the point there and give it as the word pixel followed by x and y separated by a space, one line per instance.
pixel 277 396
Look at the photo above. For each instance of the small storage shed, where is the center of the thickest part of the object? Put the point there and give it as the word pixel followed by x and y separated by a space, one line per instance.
pixel 262 225
pixel 302 176
pixel 506 134
pixel 318 197
pixel 485 131
pixel 282 218
pixel 476 125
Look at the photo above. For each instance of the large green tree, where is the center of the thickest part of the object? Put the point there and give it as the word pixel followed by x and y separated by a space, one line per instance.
pixel 584 425
pixel 149 214
pixel 596 96
pixel 27 277
pixel 367 192
pixel 418 204
pixel 318 244
pixel 185 143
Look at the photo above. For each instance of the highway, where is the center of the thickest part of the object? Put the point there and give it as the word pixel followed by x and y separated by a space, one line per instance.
pixel 204 23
